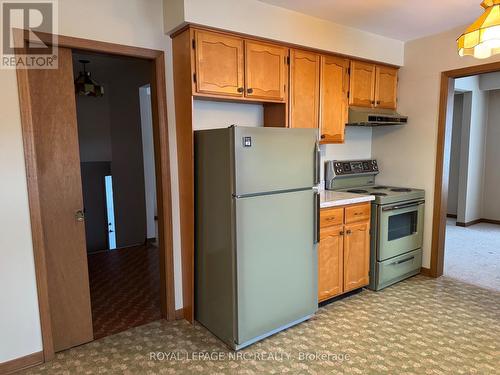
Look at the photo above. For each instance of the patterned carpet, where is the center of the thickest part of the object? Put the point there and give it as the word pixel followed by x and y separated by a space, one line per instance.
pixel 419 326
pixel 124 289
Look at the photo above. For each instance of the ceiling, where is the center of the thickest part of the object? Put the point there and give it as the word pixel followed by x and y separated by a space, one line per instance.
pixel 398 19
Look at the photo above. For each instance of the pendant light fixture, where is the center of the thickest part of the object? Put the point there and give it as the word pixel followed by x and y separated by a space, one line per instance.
pixel 482 38
pixel 85 85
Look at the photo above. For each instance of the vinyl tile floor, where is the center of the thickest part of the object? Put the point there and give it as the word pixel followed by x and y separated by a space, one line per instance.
pixel 419 326
pixel 124 288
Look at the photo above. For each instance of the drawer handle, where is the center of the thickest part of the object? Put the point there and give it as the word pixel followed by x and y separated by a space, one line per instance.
pixel 358 213
pixel 403 260
pixel 330 218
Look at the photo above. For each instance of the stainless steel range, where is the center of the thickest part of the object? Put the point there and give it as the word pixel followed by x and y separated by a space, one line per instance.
pixel 397 220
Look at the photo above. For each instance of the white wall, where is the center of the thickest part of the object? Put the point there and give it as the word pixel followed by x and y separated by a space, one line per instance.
pixel 211 115
pixel 269 21
pixel 132 22
pixel 148 160
pixel 358 145
pixel 409 153
pixel 453 181
pixel 473 145
pixel 491 200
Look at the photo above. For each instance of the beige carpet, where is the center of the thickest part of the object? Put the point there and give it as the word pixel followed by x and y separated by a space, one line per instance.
pixel 419 326
pixel 472 254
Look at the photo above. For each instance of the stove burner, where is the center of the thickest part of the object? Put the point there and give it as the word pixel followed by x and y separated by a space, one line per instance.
pixel 380 187
pixel 401 190
pixel 358 191
pixel 378 194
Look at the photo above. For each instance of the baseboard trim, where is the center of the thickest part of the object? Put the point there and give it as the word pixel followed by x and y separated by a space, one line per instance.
pixel 21 363
pixel 425 271
pixel 451 216
pixel 477 221
pixel 179 314
pixel 490 221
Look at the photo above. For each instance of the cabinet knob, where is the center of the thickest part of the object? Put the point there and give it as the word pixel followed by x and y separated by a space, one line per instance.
pixel 241 89
pixel 349 232
pixel 378 102
pixel 373 101
pixel 341 233
pixel 249 91
pixel 322 136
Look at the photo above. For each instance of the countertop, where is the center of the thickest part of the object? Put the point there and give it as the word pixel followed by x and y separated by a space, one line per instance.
pixel 339 198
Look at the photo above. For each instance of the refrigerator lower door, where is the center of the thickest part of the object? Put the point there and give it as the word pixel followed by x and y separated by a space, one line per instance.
pixel 274 159
pixel 276 263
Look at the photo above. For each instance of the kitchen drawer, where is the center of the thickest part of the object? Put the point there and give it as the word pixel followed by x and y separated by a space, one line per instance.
pixel 331 216
pixel 358 212
pixel 398 268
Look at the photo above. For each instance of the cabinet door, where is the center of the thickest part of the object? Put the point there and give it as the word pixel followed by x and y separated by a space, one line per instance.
pixel 362 85
pixel 356 256
pixel 386 84
pixel 330 263
pixel 219 64
pixel 304 89
pixel 265 71
pixel 333 86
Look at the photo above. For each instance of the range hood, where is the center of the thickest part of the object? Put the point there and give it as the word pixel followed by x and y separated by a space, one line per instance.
pixel 374 117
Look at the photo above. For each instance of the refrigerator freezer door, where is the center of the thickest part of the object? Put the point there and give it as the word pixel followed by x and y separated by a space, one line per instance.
pixel 273 159
pixel 276 262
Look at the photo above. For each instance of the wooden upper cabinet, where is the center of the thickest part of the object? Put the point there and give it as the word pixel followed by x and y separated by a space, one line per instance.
pixel 362 84
pixel 266 71
pixel 330 262
pixel 356 256
pixel 219 64
pixel 386 84
pixel 333 96
pixel 304 89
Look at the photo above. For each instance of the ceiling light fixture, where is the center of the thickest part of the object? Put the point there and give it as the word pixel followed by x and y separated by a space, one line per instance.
pixel 482 38
pixel 85 85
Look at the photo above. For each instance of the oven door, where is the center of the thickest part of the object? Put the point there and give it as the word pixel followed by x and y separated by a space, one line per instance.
pixel 400 228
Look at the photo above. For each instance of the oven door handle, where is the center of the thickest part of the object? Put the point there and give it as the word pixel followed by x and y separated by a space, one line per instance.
pixel 403 260
pixel 399 207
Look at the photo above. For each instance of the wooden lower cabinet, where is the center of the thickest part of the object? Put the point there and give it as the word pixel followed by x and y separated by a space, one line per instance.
pixel 330 262
pixel 356 256
pixel 344 251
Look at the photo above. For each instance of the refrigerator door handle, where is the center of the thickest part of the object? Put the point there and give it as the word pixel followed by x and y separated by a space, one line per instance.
pixel 317 162
pixel 316 216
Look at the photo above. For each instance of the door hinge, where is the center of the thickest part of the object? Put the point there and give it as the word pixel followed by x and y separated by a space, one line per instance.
pixel 349 71
pixel 287 60
pixel 284 88
pixel 348 93
pixel 194 77
pixel 193 44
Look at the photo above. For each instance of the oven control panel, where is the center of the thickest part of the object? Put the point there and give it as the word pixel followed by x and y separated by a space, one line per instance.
pixel 350 167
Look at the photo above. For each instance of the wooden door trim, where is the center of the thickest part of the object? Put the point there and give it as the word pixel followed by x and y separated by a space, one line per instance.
pixel 445 123
pixel 163 183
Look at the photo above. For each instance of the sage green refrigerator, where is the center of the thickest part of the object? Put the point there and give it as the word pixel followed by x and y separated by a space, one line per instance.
pixel 257 229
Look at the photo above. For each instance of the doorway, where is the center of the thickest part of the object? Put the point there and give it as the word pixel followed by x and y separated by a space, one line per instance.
pixel 473 208
pixel 116 146
pixel 50 134
pixel 465 216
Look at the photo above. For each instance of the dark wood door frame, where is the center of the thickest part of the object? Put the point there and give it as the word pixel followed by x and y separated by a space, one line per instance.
pixel 445 122
pixel 162 167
